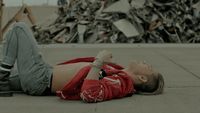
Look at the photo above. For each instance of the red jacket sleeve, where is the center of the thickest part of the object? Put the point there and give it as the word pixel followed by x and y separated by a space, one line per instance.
pixel 110 87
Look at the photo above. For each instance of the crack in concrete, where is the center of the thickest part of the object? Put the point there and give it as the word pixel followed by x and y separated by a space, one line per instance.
pixel 179 65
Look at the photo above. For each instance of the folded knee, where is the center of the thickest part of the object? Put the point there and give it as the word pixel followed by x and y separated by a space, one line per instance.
pixel 21 25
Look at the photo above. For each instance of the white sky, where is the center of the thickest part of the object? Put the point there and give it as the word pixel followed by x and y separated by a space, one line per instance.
pixel 29 2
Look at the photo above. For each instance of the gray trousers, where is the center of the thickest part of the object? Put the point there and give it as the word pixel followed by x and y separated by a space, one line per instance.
pixel 20 46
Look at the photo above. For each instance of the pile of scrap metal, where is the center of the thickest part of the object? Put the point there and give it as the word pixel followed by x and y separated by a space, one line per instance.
pixel 125 21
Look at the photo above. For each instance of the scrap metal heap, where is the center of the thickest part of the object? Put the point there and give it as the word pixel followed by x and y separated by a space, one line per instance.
pixel 124 21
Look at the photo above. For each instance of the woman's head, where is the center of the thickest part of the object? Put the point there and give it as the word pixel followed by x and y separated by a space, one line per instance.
pixel 153 86
pixel 146 79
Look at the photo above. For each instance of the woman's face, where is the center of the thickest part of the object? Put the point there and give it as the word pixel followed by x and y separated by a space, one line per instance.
pixel 141 68
pixel 140 72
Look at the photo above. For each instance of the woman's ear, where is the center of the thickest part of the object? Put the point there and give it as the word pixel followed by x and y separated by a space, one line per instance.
pixel 143 78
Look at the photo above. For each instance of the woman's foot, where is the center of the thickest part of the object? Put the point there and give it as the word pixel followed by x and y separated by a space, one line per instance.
pixel 4 80
pixel 4 84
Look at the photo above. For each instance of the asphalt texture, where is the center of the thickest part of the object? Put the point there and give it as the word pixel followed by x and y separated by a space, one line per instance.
pixel 179 64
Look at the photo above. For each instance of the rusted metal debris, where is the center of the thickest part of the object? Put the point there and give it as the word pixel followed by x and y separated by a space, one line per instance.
pixel 124 21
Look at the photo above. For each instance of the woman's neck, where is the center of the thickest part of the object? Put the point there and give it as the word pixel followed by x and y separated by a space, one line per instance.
pixel 132 75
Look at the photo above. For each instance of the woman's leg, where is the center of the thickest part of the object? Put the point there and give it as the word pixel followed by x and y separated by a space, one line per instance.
pixel 21 46
pixel 15 85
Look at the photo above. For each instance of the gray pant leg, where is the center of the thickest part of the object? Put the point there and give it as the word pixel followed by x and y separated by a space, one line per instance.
pixel 15 84
pixel 21 46
pixel 9 53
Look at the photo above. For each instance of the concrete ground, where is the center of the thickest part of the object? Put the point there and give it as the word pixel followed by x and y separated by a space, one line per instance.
pixel 180 65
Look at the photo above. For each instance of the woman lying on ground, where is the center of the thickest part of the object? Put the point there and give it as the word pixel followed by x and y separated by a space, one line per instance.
pixel 90 79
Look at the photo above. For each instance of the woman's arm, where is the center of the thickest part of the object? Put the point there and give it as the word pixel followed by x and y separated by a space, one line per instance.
pixel 101 58
pixel 110 87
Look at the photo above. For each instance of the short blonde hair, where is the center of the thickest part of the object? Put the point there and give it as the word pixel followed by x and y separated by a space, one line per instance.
pixel 154 86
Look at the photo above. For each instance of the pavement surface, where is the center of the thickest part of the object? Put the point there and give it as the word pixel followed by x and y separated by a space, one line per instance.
pixel 180 65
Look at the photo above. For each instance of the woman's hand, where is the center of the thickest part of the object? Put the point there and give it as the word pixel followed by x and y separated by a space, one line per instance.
pixel 101 58
pixel 104 56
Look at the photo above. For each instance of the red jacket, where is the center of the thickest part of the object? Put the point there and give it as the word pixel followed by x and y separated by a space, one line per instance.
pixel 116 84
